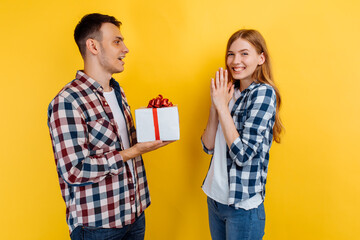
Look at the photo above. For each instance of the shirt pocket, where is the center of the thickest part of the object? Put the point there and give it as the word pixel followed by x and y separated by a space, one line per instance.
pixel 239 118
pixel 102 135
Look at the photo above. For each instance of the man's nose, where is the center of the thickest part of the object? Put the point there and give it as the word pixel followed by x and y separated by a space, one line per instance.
pixel 125 49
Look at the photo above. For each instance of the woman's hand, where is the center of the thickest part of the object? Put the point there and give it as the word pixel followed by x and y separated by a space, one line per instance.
pixel 221 90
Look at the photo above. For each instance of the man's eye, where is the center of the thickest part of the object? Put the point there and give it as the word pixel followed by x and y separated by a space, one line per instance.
pixel 244 53
pixel 117 42
pixel 230 54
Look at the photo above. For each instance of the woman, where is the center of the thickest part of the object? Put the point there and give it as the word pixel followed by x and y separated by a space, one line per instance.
pixel 243 121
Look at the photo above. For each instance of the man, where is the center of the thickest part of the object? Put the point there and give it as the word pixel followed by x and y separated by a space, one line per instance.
pixel 99 163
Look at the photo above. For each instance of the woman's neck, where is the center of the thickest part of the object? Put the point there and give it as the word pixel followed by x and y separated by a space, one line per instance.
pixel 244 84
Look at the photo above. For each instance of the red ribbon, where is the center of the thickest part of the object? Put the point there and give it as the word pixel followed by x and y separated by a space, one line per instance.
pixel 155 103
pixel 156 124
pixel 159 102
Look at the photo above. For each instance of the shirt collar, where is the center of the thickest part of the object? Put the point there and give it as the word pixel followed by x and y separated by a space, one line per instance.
pixel 94 85
pixel 114 84
pixel 91 83
pixel 250 87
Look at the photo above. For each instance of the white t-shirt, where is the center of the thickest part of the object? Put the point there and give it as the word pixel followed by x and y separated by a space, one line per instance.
pixel 216 184
pixel 120 121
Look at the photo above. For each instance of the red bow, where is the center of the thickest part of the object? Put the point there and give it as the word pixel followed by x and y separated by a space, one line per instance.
pixel 159 102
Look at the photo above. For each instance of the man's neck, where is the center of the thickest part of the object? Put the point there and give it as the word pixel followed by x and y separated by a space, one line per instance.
pixel 99 75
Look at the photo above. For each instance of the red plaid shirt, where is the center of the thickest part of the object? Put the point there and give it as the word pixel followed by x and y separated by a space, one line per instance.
pixel 96 184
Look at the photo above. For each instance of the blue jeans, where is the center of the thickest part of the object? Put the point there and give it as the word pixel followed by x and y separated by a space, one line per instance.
pixel 228 223
pixel 135 231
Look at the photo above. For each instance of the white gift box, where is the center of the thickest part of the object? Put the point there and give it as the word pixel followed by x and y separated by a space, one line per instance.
pixel 157 124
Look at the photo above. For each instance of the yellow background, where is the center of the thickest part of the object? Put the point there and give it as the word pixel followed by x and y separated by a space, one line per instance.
pixel 313 189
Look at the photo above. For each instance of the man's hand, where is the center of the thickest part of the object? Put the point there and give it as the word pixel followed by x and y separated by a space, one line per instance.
pixel 141 148
pixel 145 147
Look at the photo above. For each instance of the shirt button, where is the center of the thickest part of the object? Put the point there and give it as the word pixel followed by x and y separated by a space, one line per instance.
pixel 130 180
pixel 105 103
pixel 132 198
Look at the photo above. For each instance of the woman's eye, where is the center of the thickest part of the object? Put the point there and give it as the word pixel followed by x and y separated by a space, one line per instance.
pixel 230 54
pixel 244 53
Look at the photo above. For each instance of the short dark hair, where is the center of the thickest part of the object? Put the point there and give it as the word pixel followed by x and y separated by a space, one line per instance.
pixel 89 27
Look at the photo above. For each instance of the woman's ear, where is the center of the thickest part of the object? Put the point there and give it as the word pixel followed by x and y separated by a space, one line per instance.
pixel 91 45
pixel 261 58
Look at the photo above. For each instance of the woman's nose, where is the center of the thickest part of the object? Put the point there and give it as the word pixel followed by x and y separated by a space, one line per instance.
pixel 237 58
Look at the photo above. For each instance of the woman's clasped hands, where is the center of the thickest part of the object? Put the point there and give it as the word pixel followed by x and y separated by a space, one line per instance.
pixel 221 90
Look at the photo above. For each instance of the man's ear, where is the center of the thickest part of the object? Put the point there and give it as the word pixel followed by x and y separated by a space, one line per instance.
pixel 92 46
pixel 261 59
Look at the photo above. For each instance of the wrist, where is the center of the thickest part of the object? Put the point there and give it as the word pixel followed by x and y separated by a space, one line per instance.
pixel 129 153
pixel 136 150
pixel 223 111
pixel 213 109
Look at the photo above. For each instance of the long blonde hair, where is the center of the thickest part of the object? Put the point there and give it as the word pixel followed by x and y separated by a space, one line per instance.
pixel 262 73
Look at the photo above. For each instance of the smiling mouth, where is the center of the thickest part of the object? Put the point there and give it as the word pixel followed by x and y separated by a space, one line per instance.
pixel 238 69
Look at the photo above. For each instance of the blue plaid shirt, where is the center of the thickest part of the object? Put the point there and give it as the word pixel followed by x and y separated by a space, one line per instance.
pixel 248 157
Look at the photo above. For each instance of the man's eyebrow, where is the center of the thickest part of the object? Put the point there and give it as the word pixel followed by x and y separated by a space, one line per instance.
pixel 120 38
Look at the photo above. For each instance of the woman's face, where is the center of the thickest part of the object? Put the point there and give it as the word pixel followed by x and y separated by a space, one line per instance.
pixel 242 60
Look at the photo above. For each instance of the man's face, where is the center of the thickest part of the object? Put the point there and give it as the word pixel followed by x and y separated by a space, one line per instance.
pixel 112 49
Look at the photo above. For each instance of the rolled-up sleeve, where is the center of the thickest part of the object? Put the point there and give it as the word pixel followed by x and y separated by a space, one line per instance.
pixel 206 150
pixel 259 118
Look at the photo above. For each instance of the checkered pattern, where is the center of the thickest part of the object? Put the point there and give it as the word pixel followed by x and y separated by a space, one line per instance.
pixel 95 183
pixel 248 157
